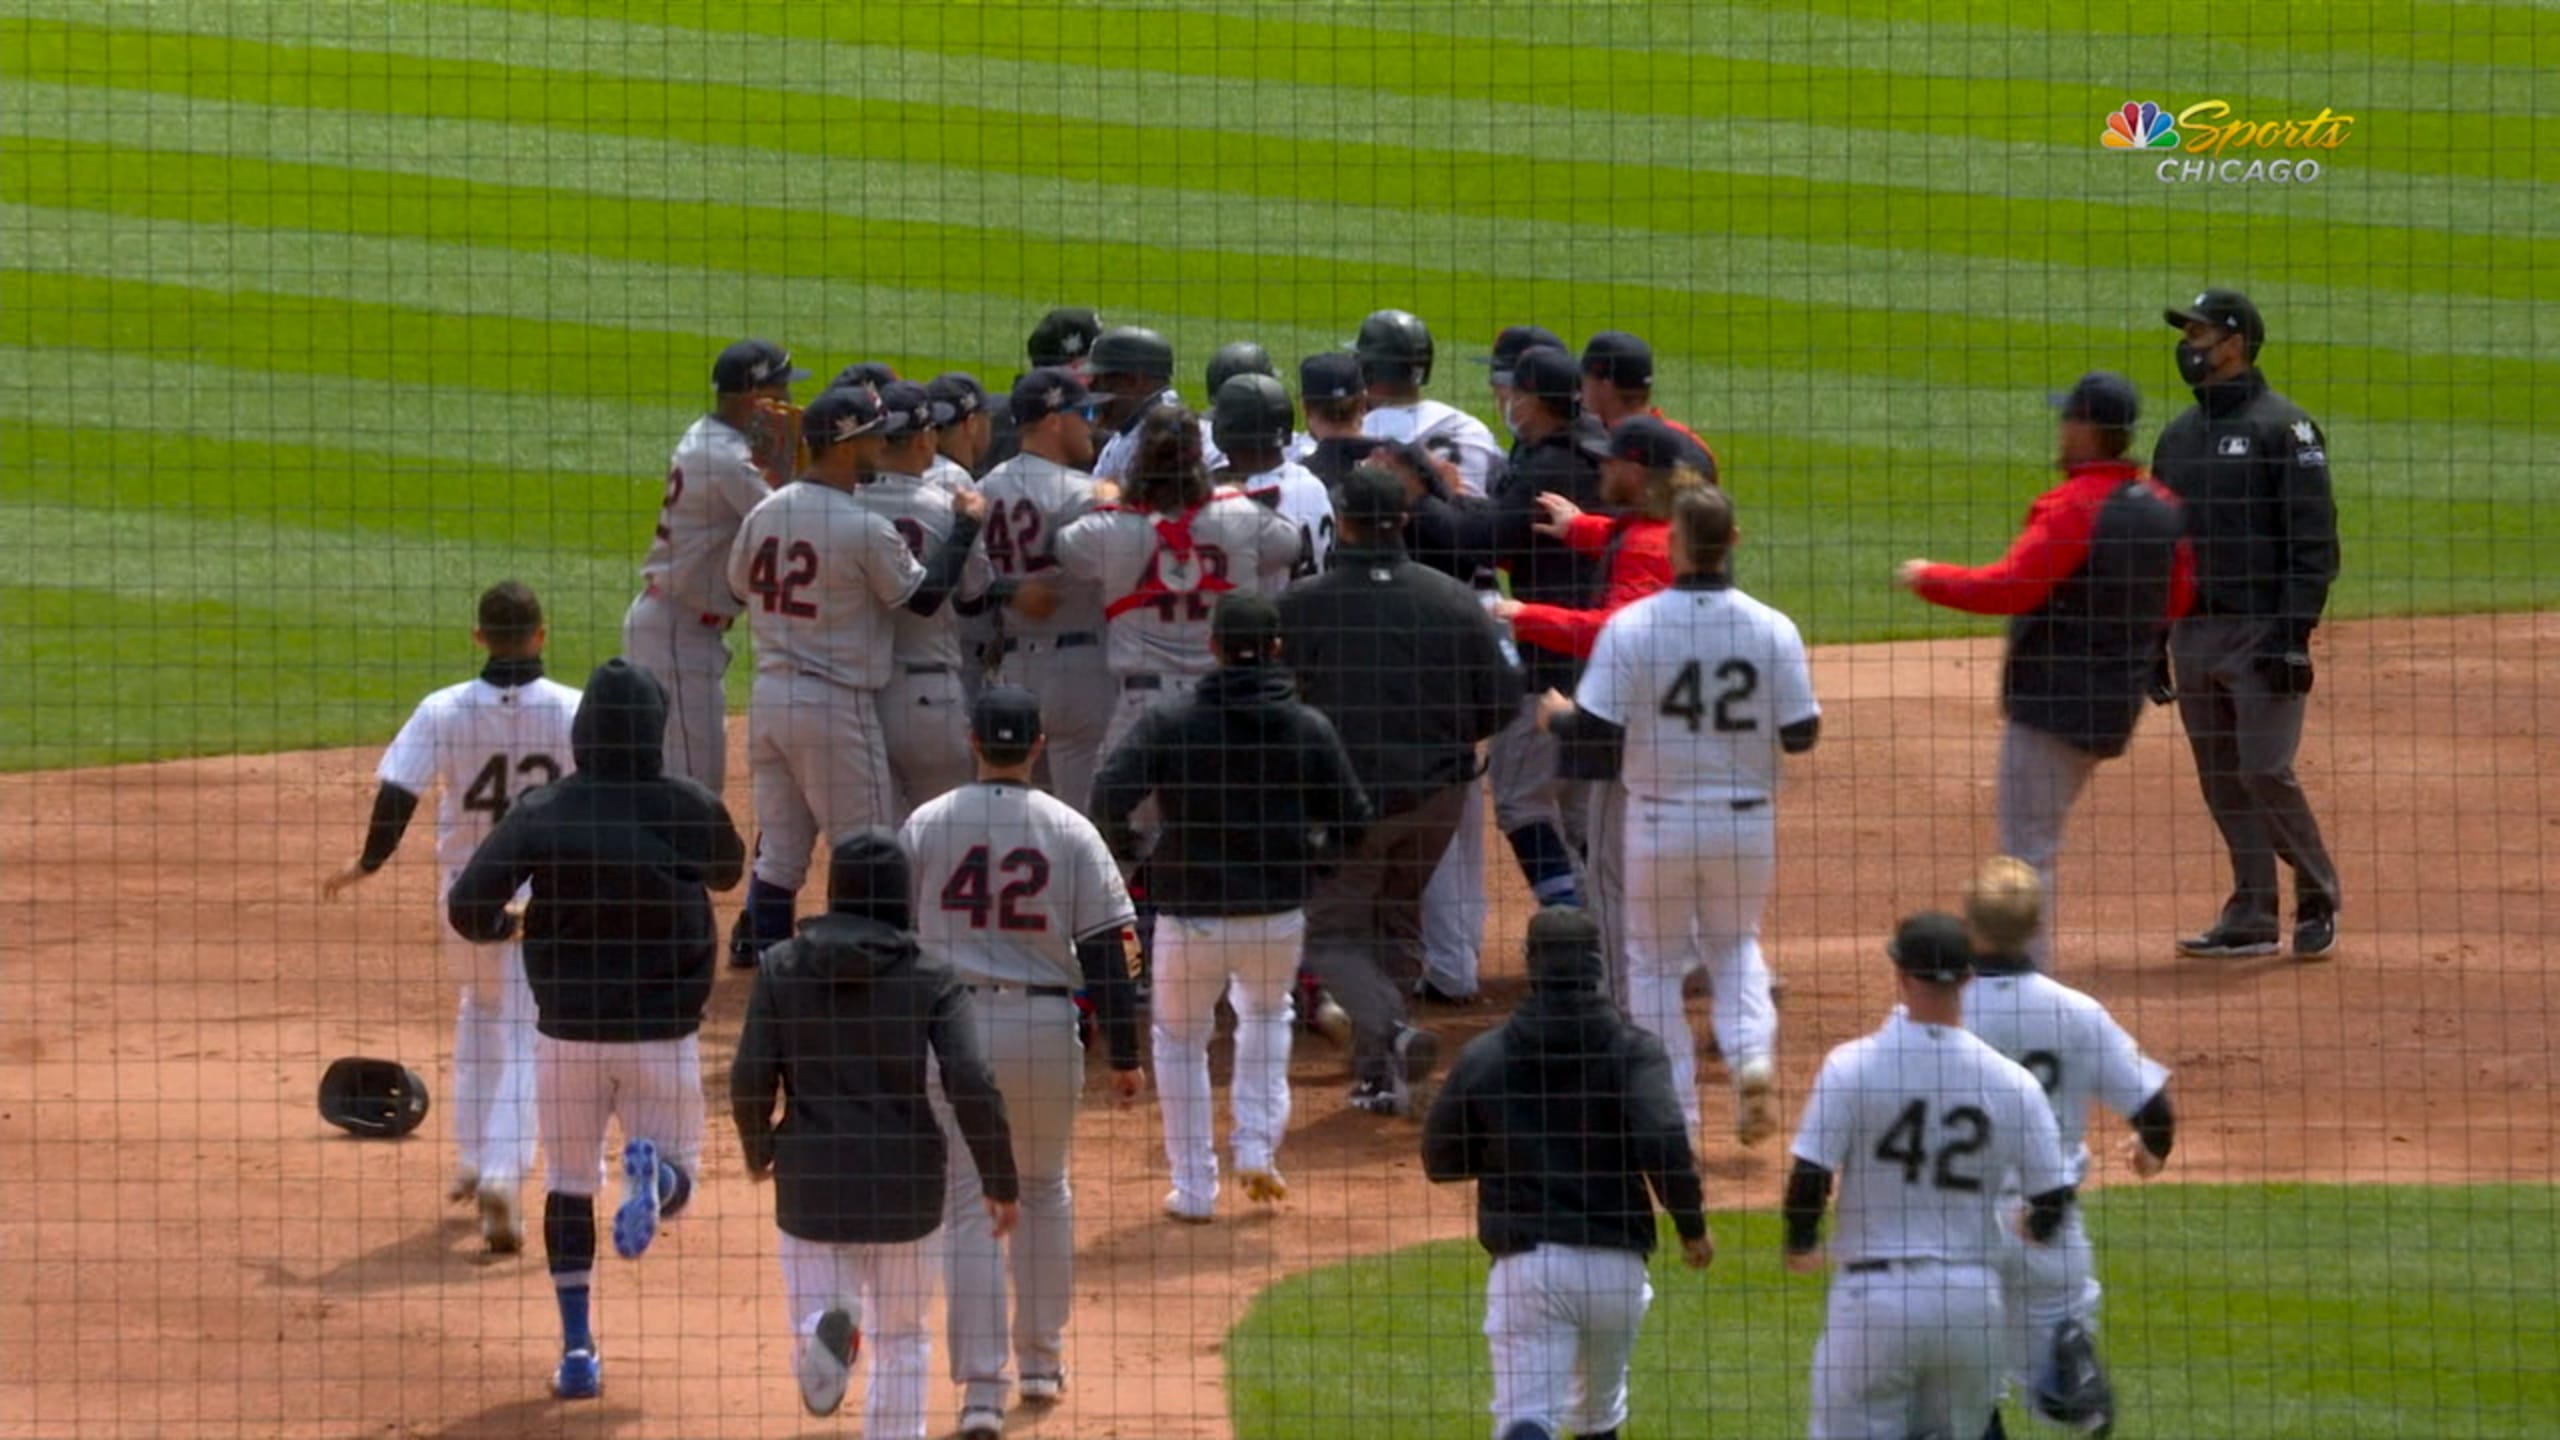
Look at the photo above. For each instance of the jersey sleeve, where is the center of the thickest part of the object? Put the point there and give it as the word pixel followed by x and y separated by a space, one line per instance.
pixel 1603 692
pixel 1080 544
pixel 2126 1076
pixel 1101 899
pixel 410 762
pixel 741 559
pixel 890 569
pixel 740 485
pixel 1822 1136
pixel 1792 688
pixel 2042 1167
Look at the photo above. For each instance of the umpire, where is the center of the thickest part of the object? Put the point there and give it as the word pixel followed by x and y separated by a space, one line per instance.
pixel 1403 661
pixel 2253 472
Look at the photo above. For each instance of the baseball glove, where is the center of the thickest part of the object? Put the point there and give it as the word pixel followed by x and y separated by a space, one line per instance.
pixel 773 439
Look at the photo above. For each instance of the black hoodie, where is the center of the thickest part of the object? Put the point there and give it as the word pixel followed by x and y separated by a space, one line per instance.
pixel 1258 796
pixel 843 1019
pixel 1566 1115
pixel 618 942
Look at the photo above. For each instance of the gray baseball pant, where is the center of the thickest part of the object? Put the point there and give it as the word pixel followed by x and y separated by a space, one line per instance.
pixel 2244 736
pixel 925 719
pixel 690 657
pixel 2040 776
pixel 1077 697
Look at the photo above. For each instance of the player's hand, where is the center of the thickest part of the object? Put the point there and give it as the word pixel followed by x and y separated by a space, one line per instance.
pixel 1552 706
pixel 759 1166
pixel 1561 513
pixel 1906 576
pixel 1106 492
pixel 1507 609
pixel 2139 1158
pixel 1700 1253
pixel 336 885
pixel 1000 1216
pixel 1810 1262
pixel 969 505
pixel 1127 1086
pixel 1036 598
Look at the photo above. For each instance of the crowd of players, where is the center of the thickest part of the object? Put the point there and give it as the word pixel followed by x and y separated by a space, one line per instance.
pixel 1099 705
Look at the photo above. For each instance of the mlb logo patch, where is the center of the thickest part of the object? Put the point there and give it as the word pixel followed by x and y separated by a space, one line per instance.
pixel 2234 445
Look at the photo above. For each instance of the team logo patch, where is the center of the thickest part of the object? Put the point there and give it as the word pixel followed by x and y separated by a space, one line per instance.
pixel 2233 445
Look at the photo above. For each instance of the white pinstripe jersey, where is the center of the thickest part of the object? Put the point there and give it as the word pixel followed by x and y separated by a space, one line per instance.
pixel 2070 1044
pixel 1442 428
pixel 480 746
pixel 1300 498
pixel 1702 680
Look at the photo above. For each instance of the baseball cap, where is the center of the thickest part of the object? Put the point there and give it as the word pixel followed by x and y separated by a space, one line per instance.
pixel 1508 345
pixel 1548 373
pixel 751 364
pixel 1047 391
pixel 1650 441
pixel 1620 359
pixel 863 374
pixel 1064 336
pixel 905 408
pixel 956 395
pixel 2227 308
pixel 1932 946
pixel 841 414
pixel 1244 627
pixel 2101 397
pixel 1330 375
pixel 1370 496
pixel 1006 720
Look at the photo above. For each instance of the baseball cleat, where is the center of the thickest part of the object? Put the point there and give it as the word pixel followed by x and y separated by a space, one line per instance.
pixel 580 1376
pixel 981 1422
pixel 1755 1107
pixel 464 1184
pixel 826 1362
pixel 501 1228
pixel 2223 943
pixel 1417 1051
pixel 1389 1097
pixel 635 1221
pixel 1187 1210
pixel 2315 935
pixel 1043 1389
pixel 1263 1185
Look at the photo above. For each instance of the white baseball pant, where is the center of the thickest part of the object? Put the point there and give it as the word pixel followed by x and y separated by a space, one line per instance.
pixel 1077 698
pixel 1562 1322
pixel 493 1083
pixel 821 770
pixel 2043 1286
pixel 925 720
pixel 1197 958
pixel 1698 878
pixel 1455 904
pixel 1031 1043
pixel 689 653
pixel 888 1289
pixel 654 1087
pixel 1914 1349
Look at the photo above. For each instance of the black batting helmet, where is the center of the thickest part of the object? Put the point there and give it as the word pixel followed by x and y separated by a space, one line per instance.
pixel 1132 350
pixel 378 1099
pixel 1239 357
pixel 1394 346
pixel 1251 412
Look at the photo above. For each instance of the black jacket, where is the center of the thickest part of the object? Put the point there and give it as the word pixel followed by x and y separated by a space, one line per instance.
pixel 1565 1116
pixel 844 1017
pixel 1404 662
pixel 618 942
pixel 2078 664
pixel 1542 569
pixel 2253 472
pixel 1258 797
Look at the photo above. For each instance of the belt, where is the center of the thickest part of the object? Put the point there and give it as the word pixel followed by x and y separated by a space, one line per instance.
pixel 1879 1267
pixel 926 669
pixel 709 620
pixel 1738 807
pixel 1036 992
pixel 1866 1267
pixel 1073 639
pixel 1141 682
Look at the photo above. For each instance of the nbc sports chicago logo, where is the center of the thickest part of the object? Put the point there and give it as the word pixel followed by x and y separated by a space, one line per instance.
pixel 2202 143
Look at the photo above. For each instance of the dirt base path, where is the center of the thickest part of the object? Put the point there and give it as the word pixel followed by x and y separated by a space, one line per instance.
pixel 194 1253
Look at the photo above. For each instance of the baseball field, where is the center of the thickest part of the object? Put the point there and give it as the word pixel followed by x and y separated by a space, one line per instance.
pixel 316 318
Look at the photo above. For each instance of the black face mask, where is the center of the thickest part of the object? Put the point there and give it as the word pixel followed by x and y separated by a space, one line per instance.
pixel 2195 362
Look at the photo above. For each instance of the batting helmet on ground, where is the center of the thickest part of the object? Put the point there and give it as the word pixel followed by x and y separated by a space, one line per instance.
pixel 378 1099
pixel 1394 346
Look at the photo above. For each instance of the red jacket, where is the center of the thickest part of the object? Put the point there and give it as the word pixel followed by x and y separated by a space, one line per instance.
pixel 2052 549
pixel 1639 551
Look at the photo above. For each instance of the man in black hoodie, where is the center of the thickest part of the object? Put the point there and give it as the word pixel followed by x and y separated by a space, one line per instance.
pixel 1566 1119
pixel 1258 800
pixel 847 1021
pixel 619 950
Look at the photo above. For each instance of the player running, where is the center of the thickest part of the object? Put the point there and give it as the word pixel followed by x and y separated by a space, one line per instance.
pixel 480 744
pixel 1700 689
pixel 2078 1053
pixel 677 628
pixel 1018 897
pixel 1924 1128
pixel 824 574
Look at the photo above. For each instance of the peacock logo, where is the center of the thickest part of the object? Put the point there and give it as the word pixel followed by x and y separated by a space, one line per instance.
pixel 2139 126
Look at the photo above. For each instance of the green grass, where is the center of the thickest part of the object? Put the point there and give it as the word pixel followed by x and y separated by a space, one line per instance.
pixel 315 317
pixel 2322 1312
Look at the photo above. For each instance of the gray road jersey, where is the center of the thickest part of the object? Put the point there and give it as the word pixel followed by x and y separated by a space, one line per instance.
pixel 1156 603
pixel 1029 502
pixel 920 511
pixel 820 575
pixel 711 485
pixel 1008 879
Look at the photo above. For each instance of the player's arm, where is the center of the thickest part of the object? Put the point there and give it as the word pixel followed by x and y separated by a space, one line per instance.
pixel 755 1077
pixel 1799 714
pixel 1808 1194
pixel 723 851
pixel 1493 685
pixel 2050 548
pixel 476 907
pixel 1821 1148
pixel 393 808
pixel 971 1088
pixel 949 562
pixel 1106 943
pixel 2042 1171
pixel 1592 725
pixel 1124 780
pixel 1658 1138
pixel 2137 1087
pixel 1453 1140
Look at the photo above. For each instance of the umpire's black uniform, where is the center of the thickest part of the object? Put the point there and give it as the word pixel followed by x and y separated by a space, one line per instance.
pixel 2253 473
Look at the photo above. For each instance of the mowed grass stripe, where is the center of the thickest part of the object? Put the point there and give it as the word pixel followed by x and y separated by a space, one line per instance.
pixel 2289 280
pixel 2522 35
pixel 1324 142
pixel 1472 66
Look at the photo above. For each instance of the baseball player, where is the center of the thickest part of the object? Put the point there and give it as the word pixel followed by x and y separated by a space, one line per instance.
pixel 1337 405
pixel 1394 351
pixel 1237 357
pixel 1507 349
pixel 1700 689
pixel 482 744
pixel 1617 386
pixel 1250 421
pixel 1019 898
pixel 922 709
pixel 1031 499
pixel 1923 1127
pixel 823 574
pixel 1564 1118
pixel 677 627
pixel 619 950
pixel 1061 341
pixel 962 424
pixel 1257 795
pixel 1163 561
pixel 1132 370
pixel 846 1020
pixel 2078 1053
pixel 863 375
